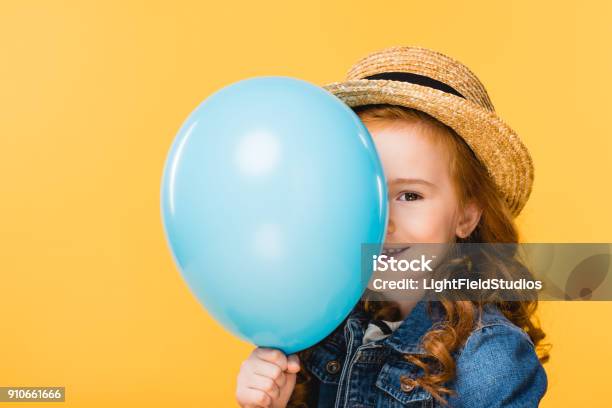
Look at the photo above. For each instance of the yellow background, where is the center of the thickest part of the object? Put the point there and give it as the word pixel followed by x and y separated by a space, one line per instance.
pixel 92 95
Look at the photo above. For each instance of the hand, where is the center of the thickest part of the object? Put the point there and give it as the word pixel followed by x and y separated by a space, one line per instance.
pixel 266 379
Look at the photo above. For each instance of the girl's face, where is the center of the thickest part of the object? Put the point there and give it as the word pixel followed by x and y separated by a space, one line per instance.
pixel 423 204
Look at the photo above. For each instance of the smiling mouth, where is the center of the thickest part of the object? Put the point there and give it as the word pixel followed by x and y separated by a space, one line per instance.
pixel 394 250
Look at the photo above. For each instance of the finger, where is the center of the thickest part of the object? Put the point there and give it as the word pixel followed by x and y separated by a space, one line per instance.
pixel 252 398
pixel 293 364
pixel 269 370
pixel 265 384
pixel 271 355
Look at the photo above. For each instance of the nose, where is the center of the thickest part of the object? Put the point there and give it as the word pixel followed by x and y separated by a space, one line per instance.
pixel 390 227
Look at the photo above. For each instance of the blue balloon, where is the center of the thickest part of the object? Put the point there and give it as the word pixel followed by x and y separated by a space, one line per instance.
pixel 269 189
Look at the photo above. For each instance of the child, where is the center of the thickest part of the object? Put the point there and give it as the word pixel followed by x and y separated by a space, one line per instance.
pixel 455 173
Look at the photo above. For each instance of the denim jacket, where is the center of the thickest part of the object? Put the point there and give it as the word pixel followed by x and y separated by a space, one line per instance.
pixel 496 367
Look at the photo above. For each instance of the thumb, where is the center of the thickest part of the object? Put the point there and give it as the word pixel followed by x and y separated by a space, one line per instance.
pixel 293 364
pixel 285 392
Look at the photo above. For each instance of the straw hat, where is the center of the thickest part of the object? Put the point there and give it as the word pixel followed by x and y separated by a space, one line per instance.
pixel 447 90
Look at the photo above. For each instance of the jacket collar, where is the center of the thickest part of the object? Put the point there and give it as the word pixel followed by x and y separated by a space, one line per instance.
pixel 406 338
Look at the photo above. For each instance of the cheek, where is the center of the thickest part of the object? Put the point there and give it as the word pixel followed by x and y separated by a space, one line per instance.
pixel 425 224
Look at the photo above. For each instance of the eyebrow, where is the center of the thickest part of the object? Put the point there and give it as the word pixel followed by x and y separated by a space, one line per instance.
pixel 410 181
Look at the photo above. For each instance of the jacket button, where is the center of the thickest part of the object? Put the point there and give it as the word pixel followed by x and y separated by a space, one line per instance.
pixel 406 387
pixel 333 367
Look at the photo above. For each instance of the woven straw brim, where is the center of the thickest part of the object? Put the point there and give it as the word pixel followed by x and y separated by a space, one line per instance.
pixel 495 144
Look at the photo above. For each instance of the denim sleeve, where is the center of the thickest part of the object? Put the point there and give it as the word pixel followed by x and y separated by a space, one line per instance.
pixel 498 367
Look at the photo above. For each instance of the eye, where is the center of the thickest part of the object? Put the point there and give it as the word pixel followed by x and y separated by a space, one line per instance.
pixel 409 196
